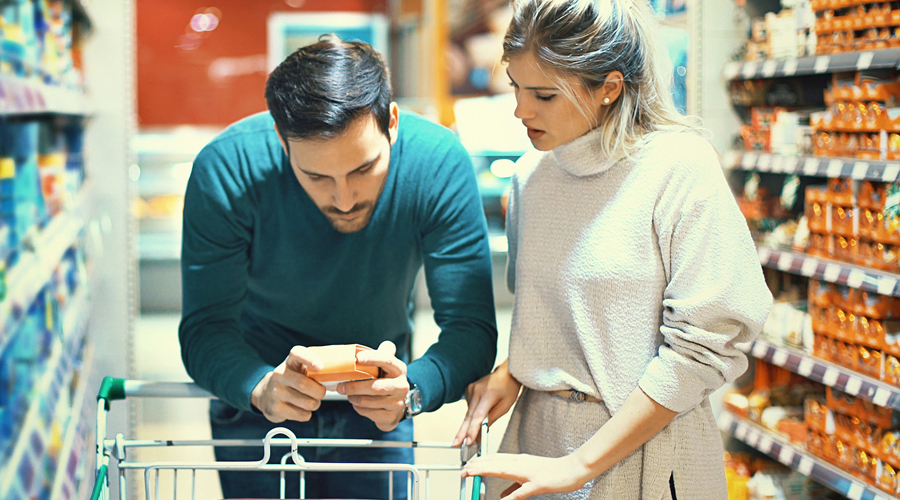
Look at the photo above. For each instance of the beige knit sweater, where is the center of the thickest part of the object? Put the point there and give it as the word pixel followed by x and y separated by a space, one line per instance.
pixel 633 273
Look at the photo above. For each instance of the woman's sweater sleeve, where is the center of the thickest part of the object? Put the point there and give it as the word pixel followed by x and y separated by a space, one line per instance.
pixel 716 295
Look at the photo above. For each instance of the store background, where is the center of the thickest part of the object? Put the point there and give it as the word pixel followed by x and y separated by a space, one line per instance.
pixel 160 78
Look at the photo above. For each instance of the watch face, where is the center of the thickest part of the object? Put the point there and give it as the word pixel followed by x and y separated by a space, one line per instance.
pixel 415 401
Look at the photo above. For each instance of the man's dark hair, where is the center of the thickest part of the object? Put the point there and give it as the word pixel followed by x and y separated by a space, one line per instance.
pixel 321 88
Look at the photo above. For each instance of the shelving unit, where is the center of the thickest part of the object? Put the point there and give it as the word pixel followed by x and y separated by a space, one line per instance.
pixel 798 459
pixel 824 372
pixel 813 65
pixel 814 166
pixel 52 427
pixel 19 96
pixel 832 271
pixel 33 438
pixel 808 69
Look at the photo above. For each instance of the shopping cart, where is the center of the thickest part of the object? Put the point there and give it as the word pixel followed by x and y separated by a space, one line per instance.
pixel 114 389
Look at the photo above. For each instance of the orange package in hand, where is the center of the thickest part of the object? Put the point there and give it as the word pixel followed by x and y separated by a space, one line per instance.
pixel 340 365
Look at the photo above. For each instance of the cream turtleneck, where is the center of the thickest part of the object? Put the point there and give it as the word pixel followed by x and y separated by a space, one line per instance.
pixel 638 272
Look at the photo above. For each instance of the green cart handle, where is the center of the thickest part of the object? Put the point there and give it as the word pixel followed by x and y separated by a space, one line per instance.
pixel 111 389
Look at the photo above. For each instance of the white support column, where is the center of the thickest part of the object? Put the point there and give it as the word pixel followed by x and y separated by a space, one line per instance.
pixel 110 73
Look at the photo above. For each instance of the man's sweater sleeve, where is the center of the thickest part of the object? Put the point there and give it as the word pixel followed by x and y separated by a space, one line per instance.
pixel 716 295
pixel 458 274
pixel 214 268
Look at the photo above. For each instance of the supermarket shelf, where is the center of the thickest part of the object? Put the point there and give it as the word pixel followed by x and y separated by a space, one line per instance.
pixel 830 374
pixel 833 63
pixel 854 168
pixel 19 96
pixel 832 271
pixel 798 459
pixel 34 268
pixel 58 370
pixel 70 455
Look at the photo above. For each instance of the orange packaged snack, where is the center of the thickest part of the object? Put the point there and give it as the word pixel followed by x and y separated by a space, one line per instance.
pixel 840 190
pixel 845 249
pixel 871 195
pixel 815 414
pixel 341 366
pixel 821 293
pixel 891 369
pixel 815 216
pixel 840 401
pixel 869 412
pixel 869 361
pixel 844 327
pixel 874 305
pixel 842 221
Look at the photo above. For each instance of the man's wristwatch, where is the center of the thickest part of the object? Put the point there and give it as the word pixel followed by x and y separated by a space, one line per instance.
pixel 413 401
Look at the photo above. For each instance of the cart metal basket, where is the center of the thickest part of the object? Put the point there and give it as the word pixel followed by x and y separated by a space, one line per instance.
pixel 291 463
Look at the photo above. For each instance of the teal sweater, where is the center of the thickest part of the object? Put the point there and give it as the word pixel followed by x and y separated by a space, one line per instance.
pixel 263 270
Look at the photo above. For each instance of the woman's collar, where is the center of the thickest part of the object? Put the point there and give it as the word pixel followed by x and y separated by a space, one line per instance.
pixel 583 156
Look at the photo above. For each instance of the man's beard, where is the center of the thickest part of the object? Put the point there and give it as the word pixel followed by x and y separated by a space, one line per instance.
pixel 363 212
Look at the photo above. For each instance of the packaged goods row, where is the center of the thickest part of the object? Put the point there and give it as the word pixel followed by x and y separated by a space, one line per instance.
pixel 852 433
pixel 41 171
pixel 41 40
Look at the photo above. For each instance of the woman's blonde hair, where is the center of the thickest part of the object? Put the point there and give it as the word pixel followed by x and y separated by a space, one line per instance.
pixel 589 39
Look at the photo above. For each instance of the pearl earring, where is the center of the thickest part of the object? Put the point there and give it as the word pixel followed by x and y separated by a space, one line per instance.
pixel 606 100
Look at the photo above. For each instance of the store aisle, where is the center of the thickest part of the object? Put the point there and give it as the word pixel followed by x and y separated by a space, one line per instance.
pixel 157 357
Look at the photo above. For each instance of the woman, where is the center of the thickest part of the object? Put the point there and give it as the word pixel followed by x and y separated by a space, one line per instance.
pixel 633 271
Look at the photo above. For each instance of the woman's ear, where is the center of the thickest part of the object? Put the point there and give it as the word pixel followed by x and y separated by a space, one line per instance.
pixel 611 89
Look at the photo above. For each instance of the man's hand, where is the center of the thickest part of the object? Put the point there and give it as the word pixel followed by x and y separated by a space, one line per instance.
pixel 382 400
pixel 286 393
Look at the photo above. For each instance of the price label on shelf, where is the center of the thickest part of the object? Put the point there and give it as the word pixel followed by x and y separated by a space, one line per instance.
pixel 785 261
pixel 855 492
pixel 777 164
pixel 881 397
pixel 821 64
pixel 749 160
pixel 780 357
pixel 886 285
pixel 741 431
pixel 764 162
pixel 832 272
pixel 805 466
pixel 811 166
pixel 749 70
pixel 835 168
pixel 830 377
pixel 805 367
pixel 786 456
pixel 732 70
pixel 790 67
pixel 765 444
pixel 891 171
pixel 854 384
pixel 759 350
pixel 864 61
pixel 809 267
pixel 769 67
pixel 790 164
pixel 855 279
pixel 753 438
pixel 860 169
pixel 764 254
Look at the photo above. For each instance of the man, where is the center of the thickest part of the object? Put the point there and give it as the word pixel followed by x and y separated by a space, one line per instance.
pixel 306 226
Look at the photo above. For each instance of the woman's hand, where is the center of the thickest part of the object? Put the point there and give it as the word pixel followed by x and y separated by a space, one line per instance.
pixel 533 475
pixel 491 396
